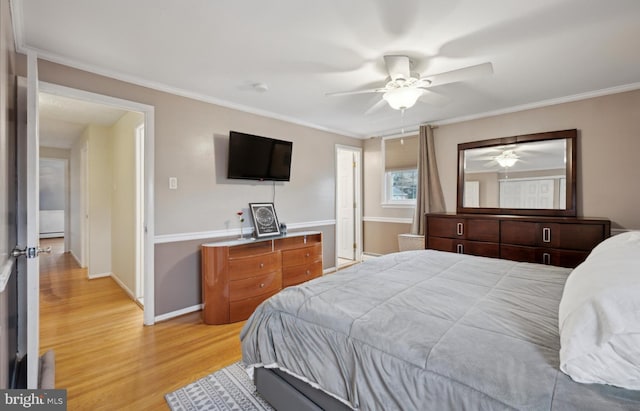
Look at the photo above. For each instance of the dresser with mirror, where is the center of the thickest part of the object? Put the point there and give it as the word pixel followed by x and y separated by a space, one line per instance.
pixel 517 200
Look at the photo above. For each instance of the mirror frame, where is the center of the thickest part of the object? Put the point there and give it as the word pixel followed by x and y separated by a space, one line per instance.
pixel 571 154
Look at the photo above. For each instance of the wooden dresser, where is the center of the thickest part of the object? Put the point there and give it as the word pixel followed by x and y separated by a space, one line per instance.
pixel 560 241
pixel 238 275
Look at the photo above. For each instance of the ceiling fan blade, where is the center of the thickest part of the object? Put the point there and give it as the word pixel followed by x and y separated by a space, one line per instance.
pixel 466 73
pixel 398 67
pixel 346 93
pixel 381 103
pixel 433 98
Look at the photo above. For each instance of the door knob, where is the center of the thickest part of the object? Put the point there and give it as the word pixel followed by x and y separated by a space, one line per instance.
pixel 29 252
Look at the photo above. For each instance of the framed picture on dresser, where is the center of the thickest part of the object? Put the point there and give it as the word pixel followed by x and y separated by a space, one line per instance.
pixel 264 218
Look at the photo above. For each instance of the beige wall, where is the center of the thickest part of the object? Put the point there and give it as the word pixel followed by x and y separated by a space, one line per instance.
pixel 51 152
pixel 381 223
pixel 123 199
pixel 100 186
pixel 111 173
pixel 382 237
pixel 191 139
pixel 608 151
pixel 190 143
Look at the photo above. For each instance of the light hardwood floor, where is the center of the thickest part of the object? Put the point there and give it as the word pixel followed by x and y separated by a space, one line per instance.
pixel 105 357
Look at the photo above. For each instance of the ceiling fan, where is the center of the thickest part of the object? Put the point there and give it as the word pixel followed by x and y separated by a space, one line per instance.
pixel 404 88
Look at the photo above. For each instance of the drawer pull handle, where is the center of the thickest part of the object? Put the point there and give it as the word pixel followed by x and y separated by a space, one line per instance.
pixel 308 272
pixel 262 285
pixel 546 234
pixel 459 229
pixel 307 255
pixel 546 258
pixel 460 249
pixel 261 265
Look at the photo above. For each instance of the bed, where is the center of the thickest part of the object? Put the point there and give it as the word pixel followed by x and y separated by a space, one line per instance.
pixel 420 330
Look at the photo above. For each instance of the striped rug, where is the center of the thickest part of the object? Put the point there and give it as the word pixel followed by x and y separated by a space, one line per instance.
pixel 228 389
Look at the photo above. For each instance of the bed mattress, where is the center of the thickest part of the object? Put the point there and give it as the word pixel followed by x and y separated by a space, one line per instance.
pixel 425 329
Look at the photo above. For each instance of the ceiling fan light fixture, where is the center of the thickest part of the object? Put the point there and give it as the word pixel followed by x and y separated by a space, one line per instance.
pixel 507 159
pixel 402 98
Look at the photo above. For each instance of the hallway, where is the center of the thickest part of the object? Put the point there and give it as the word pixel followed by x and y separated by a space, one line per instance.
pixel 105 357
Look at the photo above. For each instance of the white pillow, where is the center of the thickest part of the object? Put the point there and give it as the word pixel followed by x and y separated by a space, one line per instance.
pixel 599 315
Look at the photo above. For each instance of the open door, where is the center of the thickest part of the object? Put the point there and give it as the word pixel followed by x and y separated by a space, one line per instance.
pixel 348 204
pixel 28 246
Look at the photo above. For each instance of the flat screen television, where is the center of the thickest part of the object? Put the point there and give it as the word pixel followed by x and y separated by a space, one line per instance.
pixel 258 158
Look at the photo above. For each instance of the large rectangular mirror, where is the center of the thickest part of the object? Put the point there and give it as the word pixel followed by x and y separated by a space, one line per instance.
pixel 533 174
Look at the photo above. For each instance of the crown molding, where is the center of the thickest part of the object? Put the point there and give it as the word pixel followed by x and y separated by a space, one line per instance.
pixel 16 7
pixel 55 58
pixel 17 19
pixel 541 104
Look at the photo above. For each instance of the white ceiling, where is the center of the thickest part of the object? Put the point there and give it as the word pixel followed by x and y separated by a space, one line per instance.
pixel 62 120
pixel 542 51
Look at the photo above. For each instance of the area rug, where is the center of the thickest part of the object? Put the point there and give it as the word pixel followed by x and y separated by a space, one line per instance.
pixel 228 389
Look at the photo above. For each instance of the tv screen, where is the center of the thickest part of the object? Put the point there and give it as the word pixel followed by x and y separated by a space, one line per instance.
pixel 258 158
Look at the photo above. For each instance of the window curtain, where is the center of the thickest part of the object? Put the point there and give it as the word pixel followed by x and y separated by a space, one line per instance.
pixel 429 197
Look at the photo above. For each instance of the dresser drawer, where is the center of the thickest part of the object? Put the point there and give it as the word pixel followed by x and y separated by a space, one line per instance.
pixel 476 229
pixel 570 236
pixel 241 310
pixel 301 273
pixel 442 244
pixel 304 255
pixel 253 286
pixel 253 266
pixel 540 255
pixel 445 227
pixel 520 233
pixel 481 248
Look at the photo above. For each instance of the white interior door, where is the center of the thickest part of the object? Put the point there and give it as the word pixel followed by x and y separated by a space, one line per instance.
pixel 346 205
pixel 28 218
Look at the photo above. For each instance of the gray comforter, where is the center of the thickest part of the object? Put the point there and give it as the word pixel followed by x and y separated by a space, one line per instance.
pixel 427 330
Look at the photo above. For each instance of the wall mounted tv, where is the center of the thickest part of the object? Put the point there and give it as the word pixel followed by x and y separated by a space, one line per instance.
pixel 258 158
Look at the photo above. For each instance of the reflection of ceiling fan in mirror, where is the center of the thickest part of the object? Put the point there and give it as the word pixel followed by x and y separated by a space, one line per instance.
pixel 535 155
pixel 404 88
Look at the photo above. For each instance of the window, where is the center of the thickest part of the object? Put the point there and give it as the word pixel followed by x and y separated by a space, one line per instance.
pixel 400 171
pixel 402 186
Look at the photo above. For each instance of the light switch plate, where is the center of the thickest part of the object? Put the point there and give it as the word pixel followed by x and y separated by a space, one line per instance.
pixel 173 183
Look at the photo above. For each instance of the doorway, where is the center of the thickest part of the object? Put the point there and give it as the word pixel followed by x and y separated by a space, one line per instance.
pixel 110 189
pixel 348 205
pixel 54 195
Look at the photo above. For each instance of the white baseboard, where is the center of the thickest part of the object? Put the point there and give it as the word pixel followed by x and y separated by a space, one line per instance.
pixel 52 235
pixel 123 286
pixel 75 257
pixel 329 270
pixel 99 275
pixel 178 313
pixel 366 256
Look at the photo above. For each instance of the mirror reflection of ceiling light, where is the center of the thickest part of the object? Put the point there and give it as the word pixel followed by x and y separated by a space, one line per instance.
pixel 507 159
pixel 402 98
